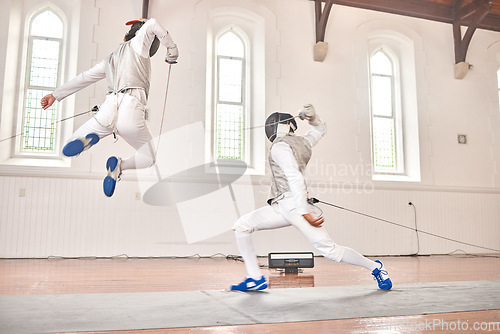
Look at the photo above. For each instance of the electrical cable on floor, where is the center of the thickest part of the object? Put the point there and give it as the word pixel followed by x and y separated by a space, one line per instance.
pixel 121 256
pixel 125 256
pixel 472 255
pixel 237 258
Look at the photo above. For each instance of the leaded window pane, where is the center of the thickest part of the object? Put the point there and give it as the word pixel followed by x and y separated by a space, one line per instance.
pixel 47 24
pixel 382 96
pixel 384 143
pixel 229 131
pixel 230 80
pixel 230 45
pixel 44 63
pixel 39 125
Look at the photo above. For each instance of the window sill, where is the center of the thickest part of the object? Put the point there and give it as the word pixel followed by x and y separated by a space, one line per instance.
pixel 231 167
pixel 38 162
pixel 394 177
pixel 34 166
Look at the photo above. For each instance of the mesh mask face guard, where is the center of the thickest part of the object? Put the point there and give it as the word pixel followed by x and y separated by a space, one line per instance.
pixel 136 25
pixel 275 124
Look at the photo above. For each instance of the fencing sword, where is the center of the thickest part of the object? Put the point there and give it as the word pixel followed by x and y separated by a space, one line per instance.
pixel 94 109
pixel 273 123
pixel 161 124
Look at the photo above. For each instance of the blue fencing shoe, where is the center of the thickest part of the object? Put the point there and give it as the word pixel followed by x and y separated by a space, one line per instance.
pixel 251 285
pixel 113 166
pixel 384 282
pixel 77 146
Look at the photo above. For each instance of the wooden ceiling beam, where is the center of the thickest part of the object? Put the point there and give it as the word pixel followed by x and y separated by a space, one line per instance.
pixel 457 3
pixel 145 9
pixel 481 9
pixel 418 9
pixel 490 22
pixel 461 13
pixel 321 15
pixel 474 15
pixel 414 8
pixel 322 18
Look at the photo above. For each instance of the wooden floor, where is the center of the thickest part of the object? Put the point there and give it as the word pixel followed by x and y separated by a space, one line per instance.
pixel 64 276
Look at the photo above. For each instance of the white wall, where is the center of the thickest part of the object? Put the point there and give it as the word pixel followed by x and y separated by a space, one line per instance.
pixel 64 212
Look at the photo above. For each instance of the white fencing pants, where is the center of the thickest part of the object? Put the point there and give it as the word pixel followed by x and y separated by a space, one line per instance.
pixel 281 214
pixel 127 114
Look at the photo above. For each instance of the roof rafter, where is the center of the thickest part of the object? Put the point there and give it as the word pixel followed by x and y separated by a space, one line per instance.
pixel 473 14
pixel 145 9
pixel 425 10
pixel 477 11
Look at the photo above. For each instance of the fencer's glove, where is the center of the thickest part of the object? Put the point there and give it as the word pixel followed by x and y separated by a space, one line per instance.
pixel 309 113
pixel 172 54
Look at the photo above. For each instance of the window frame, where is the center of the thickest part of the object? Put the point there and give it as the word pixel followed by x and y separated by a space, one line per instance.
pixel 396 111
pixel 19 150
pixel 245 156
pixel 252 26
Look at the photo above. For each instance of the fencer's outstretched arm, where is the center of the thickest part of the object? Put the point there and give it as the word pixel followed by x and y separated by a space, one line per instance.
pixel 316 133
pixel 318 128
pixel 81 81
pixel 145 36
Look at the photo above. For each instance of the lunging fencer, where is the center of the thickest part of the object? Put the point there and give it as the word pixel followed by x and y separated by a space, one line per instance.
pixel 127 71
pixel 288 206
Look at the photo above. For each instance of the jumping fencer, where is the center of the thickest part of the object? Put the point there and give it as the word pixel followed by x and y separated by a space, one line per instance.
pixel 288 206
pixel 127 71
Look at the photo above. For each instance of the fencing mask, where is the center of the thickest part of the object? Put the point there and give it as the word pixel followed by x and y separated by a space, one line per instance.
pixel 136 25
pixel 279 124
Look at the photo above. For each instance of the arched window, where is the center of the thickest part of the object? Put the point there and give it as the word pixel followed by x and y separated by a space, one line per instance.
pixel 42 76
pixel 386 129
pixel 234 84
pixel 230 113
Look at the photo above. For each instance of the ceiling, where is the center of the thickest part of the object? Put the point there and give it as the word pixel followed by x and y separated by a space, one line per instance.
pixel 435 10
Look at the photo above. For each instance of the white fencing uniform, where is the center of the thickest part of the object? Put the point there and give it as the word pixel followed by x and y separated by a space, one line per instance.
pixel 288 158
pixel 127 71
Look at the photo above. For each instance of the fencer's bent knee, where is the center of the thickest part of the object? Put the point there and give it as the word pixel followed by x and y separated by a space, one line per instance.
pixel 330 250
pixel 147 160
pixel 240 235
pixel 243 225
